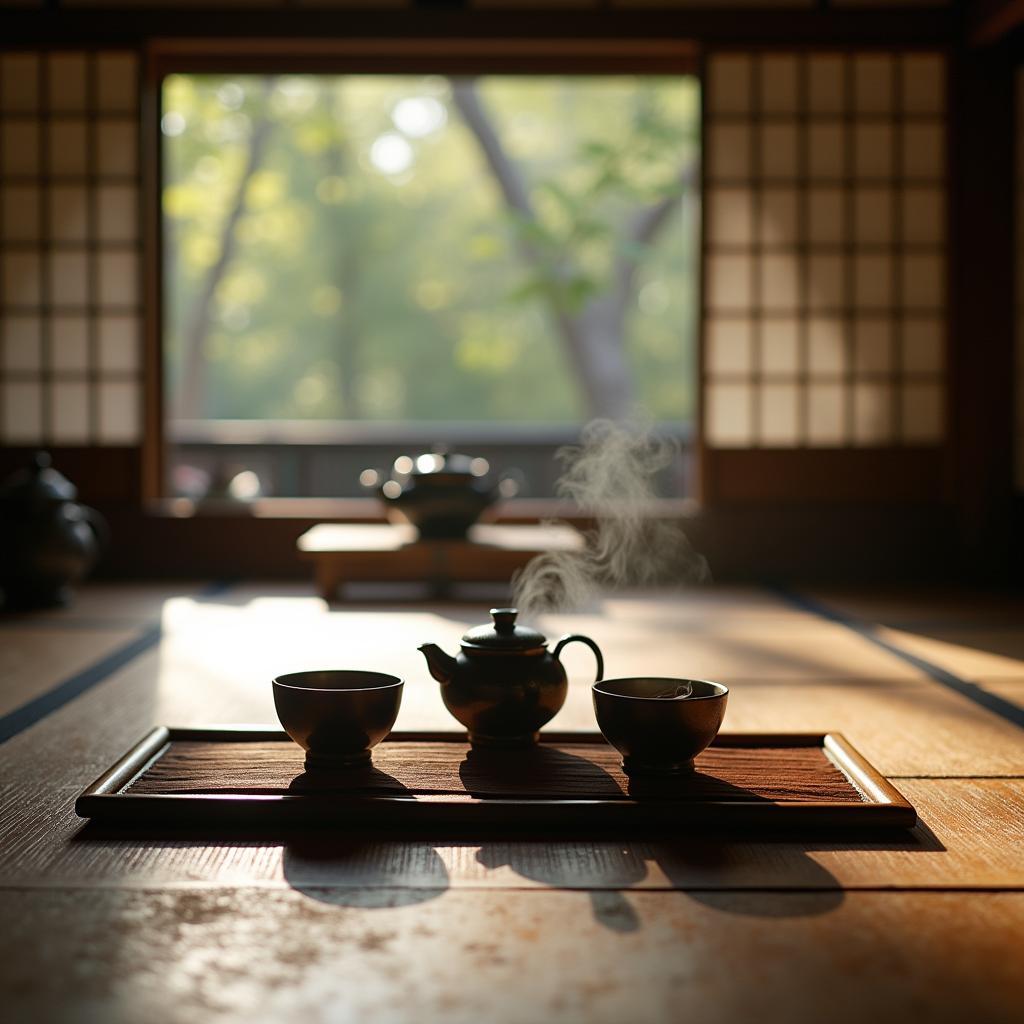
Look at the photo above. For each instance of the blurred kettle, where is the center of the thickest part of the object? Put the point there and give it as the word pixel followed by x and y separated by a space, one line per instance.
pixel 47 539
pixel 441 493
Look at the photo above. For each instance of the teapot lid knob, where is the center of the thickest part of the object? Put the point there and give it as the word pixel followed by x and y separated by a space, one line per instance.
pixel 504 635
pixel 504 619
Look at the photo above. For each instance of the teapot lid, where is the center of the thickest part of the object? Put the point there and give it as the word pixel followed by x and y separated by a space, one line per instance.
pixel 504 634
pixel 38 482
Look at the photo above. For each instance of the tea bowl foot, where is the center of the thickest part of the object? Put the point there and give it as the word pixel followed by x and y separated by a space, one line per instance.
pixel 477 739
pixel 330 763
pixel 634 768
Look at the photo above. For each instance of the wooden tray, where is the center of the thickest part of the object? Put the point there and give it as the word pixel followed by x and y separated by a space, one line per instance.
pixel 254 776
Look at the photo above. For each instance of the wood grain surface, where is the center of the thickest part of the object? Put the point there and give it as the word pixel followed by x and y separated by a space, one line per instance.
pixel 1008 689
pixel 35 660
pixel 908 606
pixel 968 652
pixel 101 924
pixel 971 835
pixel 903 730
pixel 112 604
pixel 547 771
pixel 463 957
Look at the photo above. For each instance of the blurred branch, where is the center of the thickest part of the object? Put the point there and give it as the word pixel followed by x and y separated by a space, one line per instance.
pixel 346 253
pixel 511 182
pixel 646 224
pixel 600 367
pixel 191 395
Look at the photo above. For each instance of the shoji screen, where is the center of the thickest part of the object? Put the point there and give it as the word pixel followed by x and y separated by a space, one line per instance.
pixel 825 250
pixel 70 361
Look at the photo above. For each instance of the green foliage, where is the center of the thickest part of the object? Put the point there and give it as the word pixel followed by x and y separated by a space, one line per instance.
pixel 377 273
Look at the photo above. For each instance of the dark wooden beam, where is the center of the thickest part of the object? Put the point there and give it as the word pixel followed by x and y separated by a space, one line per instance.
pixel 757 27
pixel 989 21
pixel 858 475
pixel 982 261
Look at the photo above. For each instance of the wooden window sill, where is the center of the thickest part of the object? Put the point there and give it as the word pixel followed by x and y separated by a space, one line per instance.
pixel 370 510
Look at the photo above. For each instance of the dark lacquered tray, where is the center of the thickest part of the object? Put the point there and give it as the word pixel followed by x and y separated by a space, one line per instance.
pixel 249 776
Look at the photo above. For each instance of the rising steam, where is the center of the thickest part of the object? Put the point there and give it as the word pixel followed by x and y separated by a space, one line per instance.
pixel 611 475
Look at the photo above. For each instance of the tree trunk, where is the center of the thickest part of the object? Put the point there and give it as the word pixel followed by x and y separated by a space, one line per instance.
pixel 594 338
pixel 592 369
pixel 603 323
pixel 190 401
pixel 345 255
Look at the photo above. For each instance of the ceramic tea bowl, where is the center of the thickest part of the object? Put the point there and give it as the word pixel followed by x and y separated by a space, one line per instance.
pixel 659 725
pixel 337 716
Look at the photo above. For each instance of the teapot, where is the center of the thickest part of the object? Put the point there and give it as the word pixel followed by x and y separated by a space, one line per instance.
pixel 441 493
pixel 47 539
pixel 504 684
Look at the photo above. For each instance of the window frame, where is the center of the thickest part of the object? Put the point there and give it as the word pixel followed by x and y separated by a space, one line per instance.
pixel 399 55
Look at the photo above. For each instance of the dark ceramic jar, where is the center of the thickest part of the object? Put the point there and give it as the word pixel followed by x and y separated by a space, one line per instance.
pixel 441 494
pixel 505 684
pixel 47 539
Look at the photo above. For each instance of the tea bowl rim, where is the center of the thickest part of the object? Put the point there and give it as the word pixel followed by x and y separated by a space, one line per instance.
pixel 721 689
pixel 395 681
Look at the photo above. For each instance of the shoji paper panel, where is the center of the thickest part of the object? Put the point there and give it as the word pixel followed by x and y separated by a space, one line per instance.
pixel 825 261
pixel 70 329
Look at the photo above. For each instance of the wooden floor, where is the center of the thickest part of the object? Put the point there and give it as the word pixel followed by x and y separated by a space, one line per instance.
pixel 325 927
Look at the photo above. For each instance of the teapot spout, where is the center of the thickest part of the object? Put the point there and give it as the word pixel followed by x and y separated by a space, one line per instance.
pixel 441 665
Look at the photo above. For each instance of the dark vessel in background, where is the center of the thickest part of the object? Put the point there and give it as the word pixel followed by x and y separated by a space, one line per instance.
pixel 441 493
pixel 48 540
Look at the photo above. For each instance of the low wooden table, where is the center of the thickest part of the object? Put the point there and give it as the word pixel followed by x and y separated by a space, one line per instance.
pixel 343 553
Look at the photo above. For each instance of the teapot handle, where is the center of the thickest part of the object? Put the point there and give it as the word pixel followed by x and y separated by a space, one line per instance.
pixel 583 640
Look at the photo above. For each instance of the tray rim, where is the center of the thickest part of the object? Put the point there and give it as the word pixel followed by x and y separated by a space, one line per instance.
pixel 882 806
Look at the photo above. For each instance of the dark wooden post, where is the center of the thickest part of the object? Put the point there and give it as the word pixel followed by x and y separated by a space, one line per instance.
pixel 981 274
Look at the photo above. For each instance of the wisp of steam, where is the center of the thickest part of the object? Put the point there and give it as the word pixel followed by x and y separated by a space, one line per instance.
pixel 611 475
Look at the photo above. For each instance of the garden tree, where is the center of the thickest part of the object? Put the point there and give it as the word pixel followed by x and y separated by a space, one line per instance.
pixel 418 249
pixel 591 319
pixel 190 395
pixel 345 245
